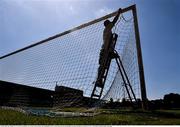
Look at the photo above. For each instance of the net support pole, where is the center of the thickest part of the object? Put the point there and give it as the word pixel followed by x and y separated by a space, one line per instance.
pixel 140 61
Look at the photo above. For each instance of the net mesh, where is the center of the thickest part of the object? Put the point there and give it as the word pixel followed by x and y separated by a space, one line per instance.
pixel 71 60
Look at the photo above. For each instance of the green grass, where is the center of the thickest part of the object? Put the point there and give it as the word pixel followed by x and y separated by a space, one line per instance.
pixel 175 111
pixel 108 117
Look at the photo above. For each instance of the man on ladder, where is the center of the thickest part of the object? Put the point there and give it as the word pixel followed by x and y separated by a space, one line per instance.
pixel 108 53
pixel 107 48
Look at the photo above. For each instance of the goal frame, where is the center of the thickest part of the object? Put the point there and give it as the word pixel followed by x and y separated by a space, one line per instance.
pixel 138 46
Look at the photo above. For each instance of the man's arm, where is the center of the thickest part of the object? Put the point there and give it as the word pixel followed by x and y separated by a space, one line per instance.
pixel 117 16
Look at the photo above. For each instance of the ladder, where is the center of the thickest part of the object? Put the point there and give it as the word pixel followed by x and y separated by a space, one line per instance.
pixel 98 88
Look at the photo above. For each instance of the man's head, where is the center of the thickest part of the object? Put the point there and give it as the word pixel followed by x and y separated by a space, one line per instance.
pixel 106 22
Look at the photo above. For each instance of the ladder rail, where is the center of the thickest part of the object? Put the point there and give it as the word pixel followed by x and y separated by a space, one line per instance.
pixel 123 79
pixel 123 69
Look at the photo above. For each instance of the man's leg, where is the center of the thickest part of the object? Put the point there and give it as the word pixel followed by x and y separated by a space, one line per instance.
pixel 102 67
pixel 105 56
pixel 98 80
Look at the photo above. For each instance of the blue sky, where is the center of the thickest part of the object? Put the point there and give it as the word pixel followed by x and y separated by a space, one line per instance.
pixel 25 22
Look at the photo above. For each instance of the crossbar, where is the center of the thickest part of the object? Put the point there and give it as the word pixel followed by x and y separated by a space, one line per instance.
pixel 71 30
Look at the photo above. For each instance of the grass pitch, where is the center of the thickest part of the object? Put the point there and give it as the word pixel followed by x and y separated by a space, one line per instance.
pixel 107 117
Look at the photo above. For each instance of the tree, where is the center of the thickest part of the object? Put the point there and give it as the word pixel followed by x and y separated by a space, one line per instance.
pixel 172 100
pixel 111 100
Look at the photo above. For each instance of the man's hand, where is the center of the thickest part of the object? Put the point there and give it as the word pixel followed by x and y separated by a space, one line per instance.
pixel 119 10
pixel 117 16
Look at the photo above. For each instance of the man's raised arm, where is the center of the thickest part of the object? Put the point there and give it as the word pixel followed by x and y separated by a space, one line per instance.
pixel 117 16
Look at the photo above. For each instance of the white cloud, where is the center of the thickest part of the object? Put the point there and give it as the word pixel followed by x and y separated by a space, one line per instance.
pixel 102 12
pixel 72 9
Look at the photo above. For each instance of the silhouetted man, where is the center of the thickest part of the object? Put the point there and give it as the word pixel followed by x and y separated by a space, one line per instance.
pixel 106 47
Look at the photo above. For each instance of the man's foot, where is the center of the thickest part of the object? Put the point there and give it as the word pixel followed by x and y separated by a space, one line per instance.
pixel 99 83
pixel 114 55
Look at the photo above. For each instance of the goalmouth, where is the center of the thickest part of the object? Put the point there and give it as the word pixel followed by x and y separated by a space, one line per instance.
pixel 70 59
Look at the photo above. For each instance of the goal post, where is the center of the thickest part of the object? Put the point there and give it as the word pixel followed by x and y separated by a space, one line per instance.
pixel 68 61
pixel 140 61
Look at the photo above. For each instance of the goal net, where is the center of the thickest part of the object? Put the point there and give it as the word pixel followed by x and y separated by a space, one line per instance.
pixel 69 62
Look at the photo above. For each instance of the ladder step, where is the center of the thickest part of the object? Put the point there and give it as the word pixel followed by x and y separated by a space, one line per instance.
pixel 95 95
pixel 100 86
